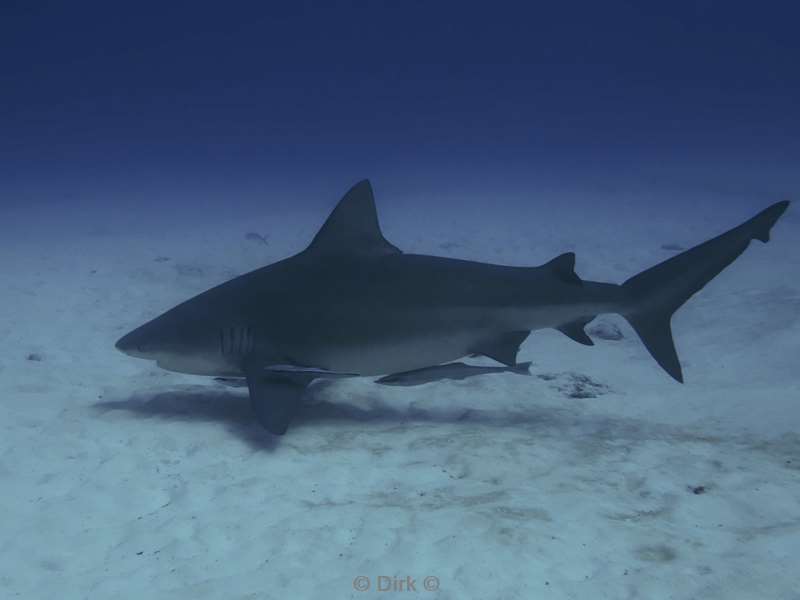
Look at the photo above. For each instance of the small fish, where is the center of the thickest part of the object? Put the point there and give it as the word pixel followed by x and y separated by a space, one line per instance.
pixel 291 372
pixel 456 371
pixel 234 382
pixel 257 237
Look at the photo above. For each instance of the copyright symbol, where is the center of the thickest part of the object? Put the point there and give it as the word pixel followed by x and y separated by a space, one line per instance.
pixel 431 583
pixel 361 583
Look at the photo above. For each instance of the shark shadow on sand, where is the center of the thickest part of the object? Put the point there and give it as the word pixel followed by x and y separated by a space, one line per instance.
pixel 233 411
pixel 590 433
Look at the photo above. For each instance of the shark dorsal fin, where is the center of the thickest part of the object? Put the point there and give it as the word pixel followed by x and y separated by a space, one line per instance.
pixel 352 228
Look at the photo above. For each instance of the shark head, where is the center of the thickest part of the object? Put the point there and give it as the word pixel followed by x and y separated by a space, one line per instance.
pixel 156 339
pixel 186 340
pixel 218 331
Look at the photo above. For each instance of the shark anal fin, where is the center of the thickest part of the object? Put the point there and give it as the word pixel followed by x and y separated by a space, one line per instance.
pixel 275 398
pixel 352 228
pixel 502 348
pixel 574 330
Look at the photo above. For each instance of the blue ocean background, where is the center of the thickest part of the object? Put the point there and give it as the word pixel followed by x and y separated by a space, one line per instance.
pixel 142 147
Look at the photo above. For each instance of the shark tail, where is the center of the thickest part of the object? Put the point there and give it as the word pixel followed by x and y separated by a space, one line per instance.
pixel 653 296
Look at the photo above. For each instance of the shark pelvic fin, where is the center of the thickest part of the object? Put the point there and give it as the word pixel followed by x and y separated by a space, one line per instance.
pixel 502 348
pixel 352 228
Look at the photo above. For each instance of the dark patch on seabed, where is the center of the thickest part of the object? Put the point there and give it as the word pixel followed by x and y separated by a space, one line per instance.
pixel 575 385
pixel 659 553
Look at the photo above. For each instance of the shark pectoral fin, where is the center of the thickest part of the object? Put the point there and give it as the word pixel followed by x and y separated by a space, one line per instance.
pixel 502 348
pixel 275 398
pixel 574 330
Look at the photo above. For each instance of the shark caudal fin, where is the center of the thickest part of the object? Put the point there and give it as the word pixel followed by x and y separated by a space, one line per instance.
pixel 655 294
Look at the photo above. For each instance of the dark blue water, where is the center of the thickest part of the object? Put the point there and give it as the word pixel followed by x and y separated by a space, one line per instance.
pixel 150 152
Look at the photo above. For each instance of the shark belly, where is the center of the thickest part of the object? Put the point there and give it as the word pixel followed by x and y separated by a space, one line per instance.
pixel 374 338
pixel 382 356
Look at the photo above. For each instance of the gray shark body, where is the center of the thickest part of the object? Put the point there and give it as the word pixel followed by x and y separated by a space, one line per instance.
pixel 353 304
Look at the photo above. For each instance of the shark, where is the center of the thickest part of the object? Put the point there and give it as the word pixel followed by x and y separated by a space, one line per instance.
pixel 352 304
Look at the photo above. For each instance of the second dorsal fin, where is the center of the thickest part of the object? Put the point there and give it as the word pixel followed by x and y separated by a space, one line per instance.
pixel 563 267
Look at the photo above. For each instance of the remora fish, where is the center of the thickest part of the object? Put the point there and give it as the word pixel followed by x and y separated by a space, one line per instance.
pixel 455 371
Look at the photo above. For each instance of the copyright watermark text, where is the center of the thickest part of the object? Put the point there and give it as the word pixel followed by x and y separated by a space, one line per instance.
pixel 394 583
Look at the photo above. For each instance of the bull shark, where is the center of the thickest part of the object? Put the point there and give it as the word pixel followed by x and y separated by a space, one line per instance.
pixel 352 304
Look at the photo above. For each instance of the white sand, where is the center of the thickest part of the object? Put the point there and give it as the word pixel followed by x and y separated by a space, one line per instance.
pixel 123 481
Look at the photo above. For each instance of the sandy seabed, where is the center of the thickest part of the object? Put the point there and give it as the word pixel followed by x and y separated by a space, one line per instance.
pixel 596 477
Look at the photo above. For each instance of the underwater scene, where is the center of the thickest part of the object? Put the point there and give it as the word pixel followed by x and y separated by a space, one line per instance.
pixel 374 300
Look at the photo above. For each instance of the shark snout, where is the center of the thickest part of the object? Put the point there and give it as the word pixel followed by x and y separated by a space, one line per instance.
pixel 131 344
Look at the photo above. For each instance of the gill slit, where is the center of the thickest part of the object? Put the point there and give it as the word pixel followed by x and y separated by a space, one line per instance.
pixel 237 341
